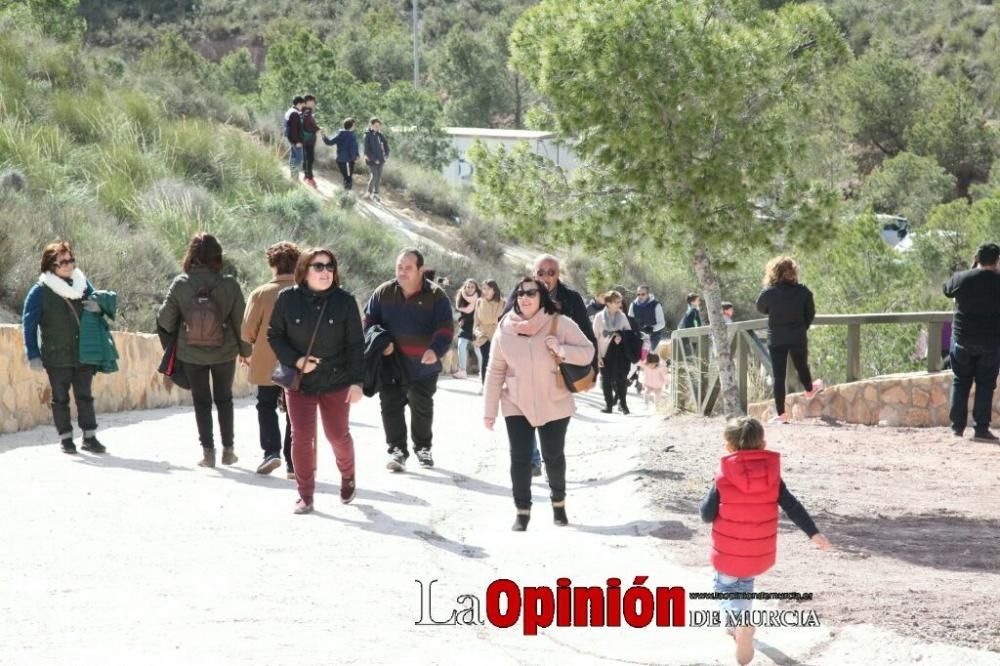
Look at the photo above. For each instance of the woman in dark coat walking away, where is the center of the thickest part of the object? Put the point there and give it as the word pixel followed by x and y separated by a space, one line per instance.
pixel 204 309
pixel 333 369
pixel 790 312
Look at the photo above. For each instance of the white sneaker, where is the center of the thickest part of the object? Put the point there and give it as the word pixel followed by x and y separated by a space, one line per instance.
pixel 460 374
pixel 780 418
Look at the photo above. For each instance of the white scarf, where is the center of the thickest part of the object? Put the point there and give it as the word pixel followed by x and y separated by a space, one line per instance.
pixel 62 288
pixel 620 323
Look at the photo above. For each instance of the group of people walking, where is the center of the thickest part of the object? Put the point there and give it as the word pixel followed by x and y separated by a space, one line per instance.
pixel 302 131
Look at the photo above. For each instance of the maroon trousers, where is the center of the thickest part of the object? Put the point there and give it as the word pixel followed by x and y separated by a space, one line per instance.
pixel 334 411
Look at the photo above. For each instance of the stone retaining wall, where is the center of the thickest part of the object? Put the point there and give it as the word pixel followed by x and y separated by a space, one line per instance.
pixel 914 400
pixel 25 395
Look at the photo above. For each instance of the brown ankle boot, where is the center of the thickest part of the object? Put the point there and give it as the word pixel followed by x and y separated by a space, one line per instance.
pixel 228 456
pixel 208 459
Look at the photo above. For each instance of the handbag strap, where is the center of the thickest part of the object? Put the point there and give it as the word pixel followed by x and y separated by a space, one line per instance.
pixel 552 331
pixel 319 321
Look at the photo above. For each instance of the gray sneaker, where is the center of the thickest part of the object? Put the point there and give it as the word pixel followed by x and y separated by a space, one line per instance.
pixel 397 460
pixel 425 458
pixel 270 464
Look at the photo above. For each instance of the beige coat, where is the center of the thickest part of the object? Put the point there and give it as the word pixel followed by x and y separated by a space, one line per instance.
pixel 485 321
pixel 254 330
pixel 523 376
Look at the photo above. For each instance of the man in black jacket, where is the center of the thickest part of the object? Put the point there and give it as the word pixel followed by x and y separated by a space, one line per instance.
pixel 975 347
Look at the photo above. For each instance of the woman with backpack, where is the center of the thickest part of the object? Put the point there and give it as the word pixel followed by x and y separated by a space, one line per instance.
pixel 204 309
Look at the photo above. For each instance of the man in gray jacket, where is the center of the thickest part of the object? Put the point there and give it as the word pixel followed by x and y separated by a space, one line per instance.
pixel 376 154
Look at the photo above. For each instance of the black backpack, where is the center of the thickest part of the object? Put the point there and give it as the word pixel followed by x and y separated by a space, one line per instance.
pixel 203 323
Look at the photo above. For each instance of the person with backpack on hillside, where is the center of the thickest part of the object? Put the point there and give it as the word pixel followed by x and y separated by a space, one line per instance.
pixel 204 310
pixel 975 342
pixel 347 151
pixel 53 309
pixel 742 505
pixel 293 133
pixel 376 155
pixel 790 311
pixel 281 258
pixel 310 130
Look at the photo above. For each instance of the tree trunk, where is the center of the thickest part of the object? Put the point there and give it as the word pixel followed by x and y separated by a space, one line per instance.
pixel 517 102
pixel 709 283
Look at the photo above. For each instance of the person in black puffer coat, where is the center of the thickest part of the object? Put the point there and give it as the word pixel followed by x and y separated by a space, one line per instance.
pixel 333 371
pixel 790 312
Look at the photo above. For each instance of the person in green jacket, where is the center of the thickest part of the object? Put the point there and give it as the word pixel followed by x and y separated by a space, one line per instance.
pixel 53 308
pixel 204 308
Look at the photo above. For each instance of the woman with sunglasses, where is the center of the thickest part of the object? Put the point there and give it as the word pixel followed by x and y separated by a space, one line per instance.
pixel 523 376
pixel 317 312
pixel 204 309
pixel 53 308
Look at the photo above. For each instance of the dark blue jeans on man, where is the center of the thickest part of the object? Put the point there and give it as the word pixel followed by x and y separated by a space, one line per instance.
pixel 973 364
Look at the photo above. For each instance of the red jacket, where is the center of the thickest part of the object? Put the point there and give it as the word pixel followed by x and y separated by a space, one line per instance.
pixel 745 532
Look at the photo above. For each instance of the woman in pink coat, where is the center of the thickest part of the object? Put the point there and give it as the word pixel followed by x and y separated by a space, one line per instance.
pixel 523 377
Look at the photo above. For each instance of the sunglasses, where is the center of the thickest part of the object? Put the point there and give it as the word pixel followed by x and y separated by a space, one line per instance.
pixel 527 293
pixel 319 267
pixel 65 262
pixel 552 272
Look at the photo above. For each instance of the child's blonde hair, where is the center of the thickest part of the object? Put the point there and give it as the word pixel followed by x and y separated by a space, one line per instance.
pixel 744 434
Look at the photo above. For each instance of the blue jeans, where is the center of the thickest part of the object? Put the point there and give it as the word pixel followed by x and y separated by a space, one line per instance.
pixel 973 364
pixel 731 584
pixel 463 354
pixel 295 159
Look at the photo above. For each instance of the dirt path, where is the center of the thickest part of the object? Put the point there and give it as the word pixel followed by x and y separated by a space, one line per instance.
pixel 437 236
pixel 912 514
pixel 142 557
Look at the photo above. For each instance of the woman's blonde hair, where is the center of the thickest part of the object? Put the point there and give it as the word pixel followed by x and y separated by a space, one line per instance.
pixel 781 269
pixel 613 297
pixel 744 434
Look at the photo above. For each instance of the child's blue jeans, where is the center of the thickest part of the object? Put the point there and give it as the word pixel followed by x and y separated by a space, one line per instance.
pixel 732 584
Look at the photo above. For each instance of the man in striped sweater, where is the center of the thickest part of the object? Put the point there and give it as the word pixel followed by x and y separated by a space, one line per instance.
pixel 417 314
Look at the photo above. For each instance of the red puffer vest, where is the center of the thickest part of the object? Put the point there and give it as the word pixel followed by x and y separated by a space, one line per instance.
pixel 745 532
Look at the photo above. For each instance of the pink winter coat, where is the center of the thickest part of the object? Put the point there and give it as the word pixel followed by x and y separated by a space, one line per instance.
pixel 654 379
pixel 523 376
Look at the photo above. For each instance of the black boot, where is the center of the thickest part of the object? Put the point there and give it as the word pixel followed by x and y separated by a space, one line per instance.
pixel 68 446
pixel 559 514
pixel 521 520
pixel 92 445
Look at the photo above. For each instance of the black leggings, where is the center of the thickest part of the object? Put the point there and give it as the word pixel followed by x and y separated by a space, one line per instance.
pixel 521 435
pixel 203 394
pixel 779 363
pixel 485 351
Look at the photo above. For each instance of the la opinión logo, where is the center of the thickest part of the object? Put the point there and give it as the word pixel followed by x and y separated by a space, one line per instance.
pixel 507 604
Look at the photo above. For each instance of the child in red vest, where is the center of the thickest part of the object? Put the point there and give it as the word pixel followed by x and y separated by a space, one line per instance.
pixel 742 506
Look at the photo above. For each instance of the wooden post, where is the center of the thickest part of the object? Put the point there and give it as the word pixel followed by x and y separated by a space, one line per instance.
pixel 704 359
pixel 934 350
pixel 854 352
pixel 742 368
pixel 675 373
